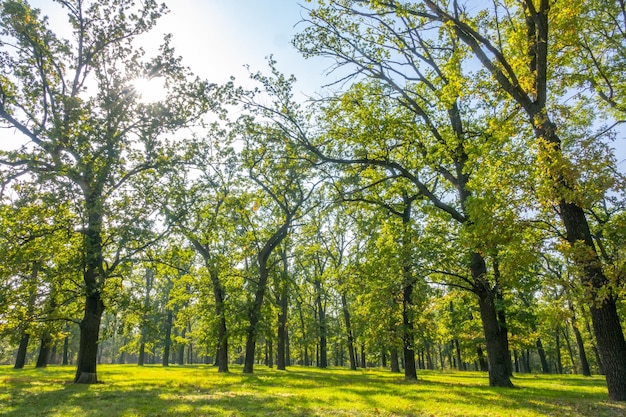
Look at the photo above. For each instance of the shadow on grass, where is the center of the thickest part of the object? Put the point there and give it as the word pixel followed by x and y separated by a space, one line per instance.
pixel 200 391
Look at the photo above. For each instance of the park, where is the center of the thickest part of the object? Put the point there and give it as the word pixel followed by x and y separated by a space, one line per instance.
pixel 434 228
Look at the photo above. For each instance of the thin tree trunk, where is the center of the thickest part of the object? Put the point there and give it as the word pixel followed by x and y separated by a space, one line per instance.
pixel 363 359
pixel 545 368
pixel 559 361
pixel 584 363
pixel 570 350
pixel 346 316
pixel 594 347
pixel 457 349
pixel 323 345
pixel 66 348
pixel 283 304
pixel 168 338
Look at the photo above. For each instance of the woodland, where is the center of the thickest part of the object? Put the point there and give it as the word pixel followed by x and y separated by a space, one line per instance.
pixel 454 201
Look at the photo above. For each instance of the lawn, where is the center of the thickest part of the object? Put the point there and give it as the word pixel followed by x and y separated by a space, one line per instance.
pixel 128 390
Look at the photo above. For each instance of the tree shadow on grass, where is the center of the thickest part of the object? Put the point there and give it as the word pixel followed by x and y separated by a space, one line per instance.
pixel 102 401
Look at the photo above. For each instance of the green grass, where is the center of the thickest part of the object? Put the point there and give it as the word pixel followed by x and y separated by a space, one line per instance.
pixel 128 390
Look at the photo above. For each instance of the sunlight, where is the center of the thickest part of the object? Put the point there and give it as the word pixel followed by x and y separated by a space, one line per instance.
pixel 150 90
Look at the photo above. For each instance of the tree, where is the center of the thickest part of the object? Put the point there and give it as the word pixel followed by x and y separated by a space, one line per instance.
pixel 86 130
pixel 418 118
pixel 527 75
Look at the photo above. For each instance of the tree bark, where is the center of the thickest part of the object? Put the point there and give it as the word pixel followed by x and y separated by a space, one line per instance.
pixel 545 368
pixel 395 365
pixel 167 344
pixel 497 348
pixel 255 312
pixel 321 308
pixel 222 332
pixel 281 348
pixel 346 317
pixel 44 350
pixel 20 359
pixel 66 348
pixel 582 355
pixel 559 361
pixel 93 277
pixel 283 304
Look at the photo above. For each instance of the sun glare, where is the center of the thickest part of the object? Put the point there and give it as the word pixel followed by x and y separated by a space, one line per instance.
pixel 150 90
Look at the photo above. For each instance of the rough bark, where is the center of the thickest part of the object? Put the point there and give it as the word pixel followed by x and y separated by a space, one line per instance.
pixel 93 277
pixel 497 350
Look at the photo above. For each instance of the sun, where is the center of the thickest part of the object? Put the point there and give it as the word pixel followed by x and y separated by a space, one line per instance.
pixel 150 90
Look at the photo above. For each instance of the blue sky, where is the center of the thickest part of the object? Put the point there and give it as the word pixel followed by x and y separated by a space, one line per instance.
pixel 218 37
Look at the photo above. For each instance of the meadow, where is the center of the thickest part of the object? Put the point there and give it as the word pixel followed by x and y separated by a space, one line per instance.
pixel 129 390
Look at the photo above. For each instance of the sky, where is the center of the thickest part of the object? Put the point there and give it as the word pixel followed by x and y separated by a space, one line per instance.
pixel 217 38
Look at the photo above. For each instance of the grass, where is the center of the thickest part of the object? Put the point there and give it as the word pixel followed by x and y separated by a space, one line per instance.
pixel 128 390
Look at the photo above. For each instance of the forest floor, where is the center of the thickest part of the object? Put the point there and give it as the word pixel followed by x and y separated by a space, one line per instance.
pixel 194 391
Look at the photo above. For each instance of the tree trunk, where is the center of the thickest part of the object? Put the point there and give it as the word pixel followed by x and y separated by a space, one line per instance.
pixel 408 342
pixel 220 311
pixel 323 345
pixel 604 317
pixel 282 300
pixel 254 318
pixel 559 361
pixel 570 350
pixel 584 363
pixel 482 363
pixel 457 349
pixel 149 279
pixel 363 358
pixel 594 347
pixel 281 348
pixel 395 365
pixel 88 344
pixel 20 359
pixel 410 373
pixel 495 336
pixel 168 338
pixel 181 348
pixel 545 368
pixel 346 316
pixel 66 348
pixel 93 277
pixel 255 312
pixel 44 350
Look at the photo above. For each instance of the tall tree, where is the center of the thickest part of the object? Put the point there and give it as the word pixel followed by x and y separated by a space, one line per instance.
pixel 530 76
pixel 419 119
pixel 85 128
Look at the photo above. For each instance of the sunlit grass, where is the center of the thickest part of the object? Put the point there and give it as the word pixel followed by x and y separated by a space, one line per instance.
pixel 128 390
